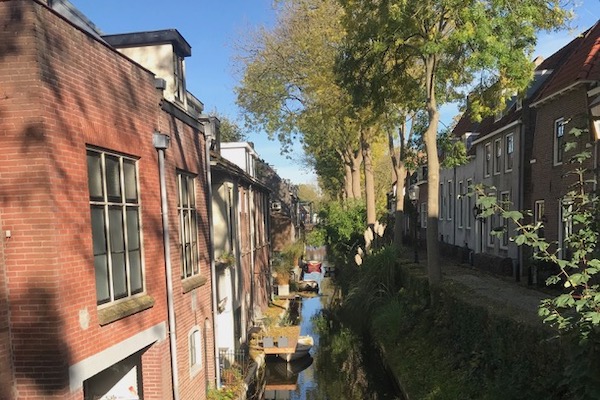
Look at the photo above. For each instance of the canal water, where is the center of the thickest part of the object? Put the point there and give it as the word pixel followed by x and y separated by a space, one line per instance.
pixel 320 375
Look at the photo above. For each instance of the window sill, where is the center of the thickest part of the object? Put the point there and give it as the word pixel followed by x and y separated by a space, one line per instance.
pixel 124 309
pixel 192 283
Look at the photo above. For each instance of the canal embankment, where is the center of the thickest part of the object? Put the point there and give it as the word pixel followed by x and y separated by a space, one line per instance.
pixel 482 340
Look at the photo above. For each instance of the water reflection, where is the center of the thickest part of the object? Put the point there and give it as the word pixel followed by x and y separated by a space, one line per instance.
pixel 341 366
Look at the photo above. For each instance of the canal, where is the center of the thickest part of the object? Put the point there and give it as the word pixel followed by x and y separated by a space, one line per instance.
pixel 341 365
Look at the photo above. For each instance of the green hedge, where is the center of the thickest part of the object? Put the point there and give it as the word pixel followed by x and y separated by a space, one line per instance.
pixel 466 347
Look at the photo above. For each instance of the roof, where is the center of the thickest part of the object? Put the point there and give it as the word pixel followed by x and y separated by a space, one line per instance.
pixel 172 36
pixel 579 63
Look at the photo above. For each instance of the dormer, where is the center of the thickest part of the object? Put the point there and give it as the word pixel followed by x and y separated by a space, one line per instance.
pixel 242 154
pixel 162 52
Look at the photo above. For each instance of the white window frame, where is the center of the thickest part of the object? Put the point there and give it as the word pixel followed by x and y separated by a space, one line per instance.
pixel 509 153
pixel 196 350
pixel 505 203
pixel 450 208
pixel 469 205
pixel 487 159
pixel 461 208
pixel 539 212
pixel 179 78
pixel 112 244
pixel 497 156
pixel 442 201
pixel 188 224
pixel 559 140
pixel 491 242
pixel 565 225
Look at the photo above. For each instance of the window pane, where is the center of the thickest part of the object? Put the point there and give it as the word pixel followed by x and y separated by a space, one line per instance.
pixel 94 166
pixel 101 272
pixel 113 181
pixel 115 219
pixel 130 181
pixel 119 275
pixel 184 192
pixel 190 182
pixel 135 271
pixel 98 230
pixel 133 228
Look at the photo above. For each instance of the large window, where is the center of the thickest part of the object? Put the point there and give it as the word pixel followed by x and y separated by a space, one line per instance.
pixel 559 140
pixel 115 211
pixel 442 201
pixel 497 156
pixel 470 200
pixel 450 209
pixel 487 167
pixel 461 205
pixel 510 152
pixel 423 215
pixel 505 204
pixel 188 224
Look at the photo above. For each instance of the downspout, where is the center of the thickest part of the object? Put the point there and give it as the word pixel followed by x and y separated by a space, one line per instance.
pixel 252 222
pixel 161 143
pixel 209 137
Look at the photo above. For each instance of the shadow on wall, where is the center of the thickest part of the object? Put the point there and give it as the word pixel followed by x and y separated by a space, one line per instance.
pixel 40 355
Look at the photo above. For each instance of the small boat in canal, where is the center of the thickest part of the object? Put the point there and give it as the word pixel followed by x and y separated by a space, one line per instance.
pixel 305 343
pixel 308 286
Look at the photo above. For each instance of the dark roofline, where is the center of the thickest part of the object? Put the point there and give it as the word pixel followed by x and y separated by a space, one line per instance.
pixel 172 36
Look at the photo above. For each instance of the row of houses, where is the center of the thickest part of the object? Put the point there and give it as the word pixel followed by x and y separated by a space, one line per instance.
pixel 520 152
pixel 135 246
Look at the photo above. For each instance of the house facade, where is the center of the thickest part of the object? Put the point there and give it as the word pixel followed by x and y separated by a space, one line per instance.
pixel 518 155
pixel 106 273
pixel 240 220
pixel 565 103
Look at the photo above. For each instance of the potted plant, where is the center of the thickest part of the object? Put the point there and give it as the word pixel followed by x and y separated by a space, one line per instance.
pixel 226 259
pixel 282 270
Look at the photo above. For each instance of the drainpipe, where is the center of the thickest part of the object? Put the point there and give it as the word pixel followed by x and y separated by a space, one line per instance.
pixel 161 143
pixel 209 125
pixel 252 218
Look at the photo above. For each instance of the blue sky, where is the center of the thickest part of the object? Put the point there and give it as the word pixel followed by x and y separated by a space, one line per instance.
pixel 213 27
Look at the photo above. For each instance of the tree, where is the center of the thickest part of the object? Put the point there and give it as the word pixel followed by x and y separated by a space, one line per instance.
pixel 441 45
pixel 230 130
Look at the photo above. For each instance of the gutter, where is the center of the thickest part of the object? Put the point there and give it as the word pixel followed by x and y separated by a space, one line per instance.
pixel 161 143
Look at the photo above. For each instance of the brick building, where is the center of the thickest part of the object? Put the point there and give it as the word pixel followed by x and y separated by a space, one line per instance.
pixel 90 282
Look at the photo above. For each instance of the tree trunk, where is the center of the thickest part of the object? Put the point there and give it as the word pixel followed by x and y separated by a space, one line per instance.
pixel 399 169
pixel 357 159
pixel 369 179
pixel 434 270
pixel 348 178
pixel 400 172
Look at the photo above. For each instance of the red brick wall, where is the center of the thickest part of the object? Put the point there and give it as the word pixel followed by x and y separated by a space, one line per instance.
pixel 550 182
pixel 187 153
pixel 61 90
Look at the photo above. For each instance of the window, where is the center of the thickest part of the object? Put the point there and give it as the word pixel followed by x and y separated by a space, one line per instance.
pixel 178 71
pixel 510 150
pixel 505 203
pixel 565 224
pixel 559 141
pixel 115 213
pixel 461 213
pixel 188 224
pixel 195 350
pixel 469 204
pixel 442 201
pixel 450 209
pixel 519 103
pixel 491 221
pixel 487 168
pixel 423 215
pixel 497 156
pixel 539 215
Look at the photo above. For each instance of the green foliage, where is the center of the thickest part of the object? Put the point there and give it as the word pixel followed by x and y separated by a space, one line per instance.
pixel 316 237
pixel 454 152
pixel 467 347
